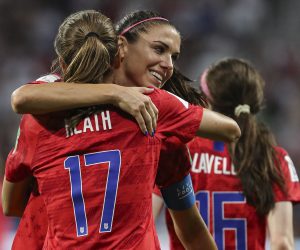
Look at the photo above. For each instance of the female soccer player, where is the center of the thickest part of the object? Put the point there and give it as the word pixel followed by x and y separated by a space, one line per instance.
pixel 247 188
pixel 70 143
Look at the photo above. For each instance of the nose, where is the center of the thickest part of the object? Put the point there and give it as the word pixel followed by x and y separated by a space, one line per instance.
pixel 167 62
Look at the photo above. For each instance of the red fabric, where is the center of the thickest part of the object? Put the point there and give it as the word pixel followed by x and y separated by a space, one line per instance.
pixel 6 224
pixel 213 175
pixel 33 226
pixel 44 146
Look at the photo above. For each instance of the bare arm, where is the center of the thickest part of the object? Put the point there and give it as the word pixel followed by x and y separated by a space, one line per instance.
pixel 15 197
pixel 219 127
pixel 157 205
pixel 46 98
pixel 280 226
pixel 191 229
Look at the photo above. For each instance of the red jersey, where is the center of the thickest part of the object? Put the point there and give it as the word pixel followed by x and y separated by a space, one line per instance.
pixel 96 179
pixel 32 229
pixel 233 223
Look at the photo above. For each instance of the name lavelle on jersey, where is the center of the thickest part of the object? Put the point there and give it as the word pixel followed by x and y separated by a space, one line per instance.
pixel 209 163
pixel 94 123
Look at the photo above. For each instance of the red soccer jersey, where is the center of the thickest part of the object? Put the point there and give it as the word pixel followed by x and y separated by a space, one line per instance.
pixel 96 180
pixel 33 225
pixel 233 223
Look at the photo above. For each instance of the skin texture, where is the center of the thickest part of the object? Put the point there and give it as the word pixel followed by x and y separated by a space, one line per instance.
pixel 280 226
pixel 155 51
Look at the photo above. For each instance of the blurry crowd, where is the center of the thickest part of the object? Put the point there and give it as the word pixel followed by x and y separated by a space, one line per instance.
pixel 263 32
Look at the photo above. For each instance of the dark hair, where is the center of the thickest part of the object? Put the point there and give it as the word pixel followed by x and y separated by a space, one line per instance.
pixel 178 84
pixel 232 82
pixel 87 43
pixel 130 19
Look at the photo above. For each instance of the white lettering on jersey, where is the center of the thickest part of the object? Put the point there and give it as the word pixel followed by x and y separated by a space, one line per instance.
pixel 48 78
pixel 185 103
pixel 206 163
pixel 91 124
pixel 106 120
pixel 292 169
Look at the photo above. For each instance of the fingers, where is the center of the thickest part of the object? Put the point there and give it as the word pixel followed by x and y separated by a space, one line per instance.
pixel 153 112
pixel 135 101
pixel 151 122
pixel 145 90
pixel 141 122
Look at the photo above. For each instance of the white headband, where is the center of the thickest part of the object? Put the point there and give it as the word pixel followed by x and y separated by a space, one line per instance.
pixel 241 109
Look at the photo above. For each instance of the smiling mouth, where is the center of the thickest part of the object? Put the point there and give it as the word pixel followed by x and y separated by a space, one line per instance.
pixel 158 77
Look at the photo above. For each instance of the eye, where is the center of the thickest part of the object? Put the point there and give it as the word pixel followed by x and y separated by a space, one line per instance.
pixel 159 49
pixel 175 57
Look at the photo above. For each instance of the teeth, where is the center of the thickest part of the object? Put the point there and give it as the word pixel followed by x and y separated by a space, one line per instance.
pixel 156 75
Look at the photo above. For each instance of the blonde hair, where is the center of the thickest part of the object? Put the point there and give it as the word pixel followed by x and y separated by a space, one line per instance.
pixel 87 43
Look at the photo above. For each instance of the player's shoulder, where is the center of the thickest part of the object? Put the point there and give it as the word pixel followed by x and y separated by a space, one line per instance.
pixel 280 151
pixel 162 97
pixel 29 124
pixel 286 163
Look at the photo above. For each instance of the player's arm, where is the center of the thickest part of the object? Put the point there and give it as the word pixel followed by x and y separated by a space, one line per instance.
pixel 218 127
pixel 189 226
pixel 46 98
pixel 15 196
pixel 191 229
pixel 280 226
pixel 188 223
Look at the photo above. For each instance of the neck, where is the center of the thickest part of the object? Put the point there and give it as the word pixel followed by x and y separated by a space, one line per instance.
pixel 119 77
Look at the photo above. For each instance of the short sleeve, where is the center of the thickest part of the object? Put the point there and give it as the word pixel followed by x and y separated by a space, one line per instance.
pixel 18 162
pixel 174 163
pixel 177 117
pixel 290 176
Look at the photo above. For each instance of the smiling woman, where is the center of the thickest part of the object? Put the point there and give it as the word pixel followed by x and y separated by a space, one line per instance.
pixel 153 44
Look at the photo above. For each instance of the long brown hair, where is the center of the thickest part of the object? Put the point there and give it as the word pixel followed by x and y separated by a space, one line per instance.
pixel 232 82
pixel 87 44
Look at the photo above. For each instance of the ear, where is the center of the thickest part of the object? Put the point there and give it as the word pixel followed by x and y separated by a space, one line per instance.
pixel 62 64
pixel 123 47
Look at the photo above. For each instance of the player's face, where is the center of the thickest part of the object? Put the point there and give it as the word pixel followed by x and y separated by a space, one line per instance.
pixel 150 60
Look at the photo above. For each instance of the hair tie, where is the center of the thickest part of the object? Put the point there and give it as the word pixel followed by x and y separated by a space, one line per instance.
pixel 203 84
pixel 91 34
pixel 245 108
pixel 145 20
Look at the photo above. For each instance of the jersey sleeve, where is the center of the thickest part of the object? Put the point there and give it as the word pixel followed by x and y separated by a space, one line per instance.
pixel 19 159
pixel 291 179
pixel 177 117
pixel 174 163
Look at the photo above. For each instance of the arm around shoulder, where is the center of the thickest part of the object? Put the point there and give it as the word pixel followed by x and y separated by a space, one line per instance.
pixel 218 127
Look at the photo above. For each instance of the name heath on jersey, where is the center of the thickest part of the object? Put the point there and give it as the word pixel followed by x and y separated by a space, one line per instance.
pixel 96 122
pixel 207 163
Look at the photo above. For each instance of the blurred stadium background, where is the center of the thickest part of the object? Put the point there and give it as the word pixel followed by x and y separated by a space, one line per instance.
pixel 266 32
